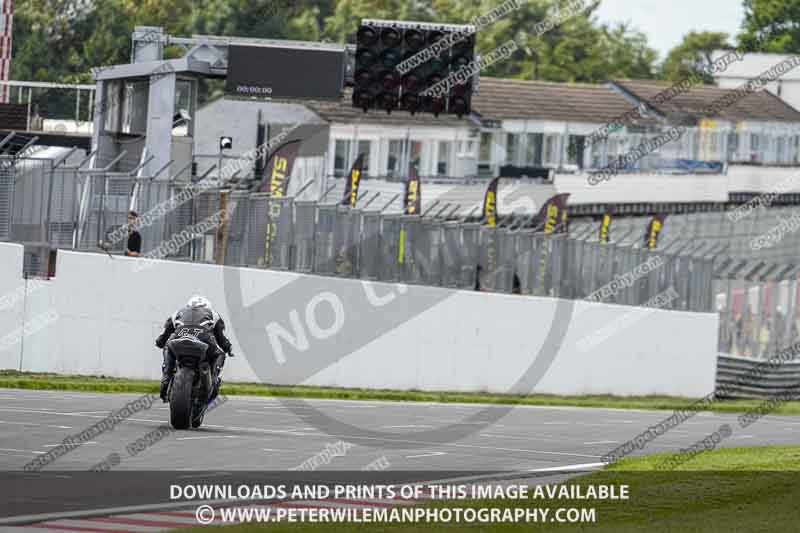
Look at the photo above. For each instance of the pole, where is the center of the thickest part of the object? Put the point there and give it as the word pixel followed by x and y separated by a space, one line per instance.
pixel 442 210
pixel 371 200
pixel 390 202
pixel 304 187
pixel 327 192
pixel 434 204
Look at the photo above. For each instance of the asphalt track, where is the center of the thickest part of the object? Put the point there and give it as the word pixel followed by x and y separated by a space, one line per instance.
pixel 253 433
pixel 254 440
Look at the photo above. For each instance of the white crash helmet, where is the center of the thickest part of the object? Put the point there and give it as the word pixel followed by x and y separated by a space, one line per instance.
pixel 199 301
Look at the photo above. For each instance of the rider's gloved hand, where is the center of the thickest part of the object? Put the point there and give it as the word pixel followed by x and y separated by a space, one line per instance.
pixel 230 352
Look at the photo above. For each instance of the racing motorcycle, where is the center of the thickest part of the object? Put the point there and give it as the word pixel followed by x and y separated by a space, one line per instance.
pixel 192 384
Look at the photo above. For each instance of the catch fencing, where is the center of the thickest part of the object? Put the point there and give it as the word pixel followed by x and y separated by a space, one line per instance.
pixel 48 205
pixel 705 261
pixel 333 240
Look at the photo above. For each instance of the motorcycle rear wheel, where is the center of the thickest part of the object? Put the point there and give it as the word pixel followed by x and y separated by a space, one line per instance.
pixel 180 401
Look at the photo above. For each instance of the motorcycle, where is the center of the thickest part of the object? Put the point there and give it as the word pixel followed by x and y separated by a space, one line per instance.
pixel 192 384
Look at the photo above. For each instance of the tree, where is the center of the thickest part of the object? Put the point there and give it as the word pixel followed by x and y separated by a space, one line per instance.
pixel 771 26
pixel 577 49
pixel 60 40
pixel 694 53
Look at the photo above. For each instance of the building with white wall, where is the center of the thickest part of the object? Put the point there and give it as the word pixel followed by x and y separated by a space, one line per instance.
pixel 786 87
pixel 531 125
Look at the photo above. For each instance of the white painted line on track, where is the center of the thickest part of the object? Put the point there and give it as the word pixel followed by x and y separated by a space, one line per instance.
pixel 568 468
pixel 208 437
pixel 431 454
pixel 602 442
pixel 407 441
pixel 33 424
pixel 520 437
pixel 23 451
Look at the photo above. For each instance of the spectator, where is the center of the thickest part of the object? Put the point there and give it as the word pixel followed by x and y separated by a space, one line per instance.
pixel 134 246
pixel 516 287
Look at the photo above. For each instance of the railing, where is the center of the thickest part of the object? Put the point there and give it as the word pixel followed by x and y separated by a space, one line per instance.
pixel 743 378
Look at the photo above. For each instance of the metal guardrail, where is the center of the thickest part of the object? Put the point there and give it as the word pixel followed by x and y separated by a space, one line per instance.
pixel 740 377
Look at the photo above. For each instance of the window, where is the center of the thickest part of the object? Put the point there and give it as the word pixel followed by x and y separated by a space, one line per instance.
pixel 466 148
pixel 733 146
pixel 575 150
pixel 512 148
pixel 596 154
pixel 485 155
pixel 443 158
pixel 549 152
pixel 795 149
pixel 364 147
pixel 341 157
pixel 396 152
pixel 533 150
pixel 415 157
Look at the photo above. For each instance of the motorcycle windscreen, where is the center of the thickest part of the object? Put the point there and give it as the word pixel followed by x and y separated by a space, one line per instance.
pixel 188 348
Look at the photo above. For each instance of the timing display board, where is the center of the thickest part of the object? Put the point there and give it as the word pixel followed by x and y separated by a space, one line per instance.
pixel 283 72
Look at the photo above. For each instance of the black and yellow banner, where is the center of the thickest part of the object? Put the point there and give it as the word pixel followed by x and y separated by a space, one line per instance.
pixel 552 217
pixel 354 180
pixel 653 230
pixel 605 227
pixel 490 204
pixel 413 198
pixel 278 170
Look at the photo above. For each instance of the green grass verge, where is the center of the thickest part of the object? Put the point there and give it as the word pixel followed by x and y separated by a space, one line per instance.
pixel 25 380
pixel 721 491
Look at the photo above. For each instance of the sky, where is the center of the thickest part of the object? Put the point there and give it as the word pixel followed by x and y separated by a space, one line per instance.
pixel 665 22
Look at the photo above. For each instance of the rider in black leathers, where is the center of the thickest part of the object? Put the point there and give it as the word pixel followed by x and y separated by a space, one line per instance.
pixel 197 313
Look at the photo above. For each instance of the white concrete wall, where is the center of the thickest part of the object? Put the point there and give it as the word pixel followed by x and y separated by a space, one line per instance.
pixel 11 287
pixel 638 188
pixel 758 179
pixel 108 316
